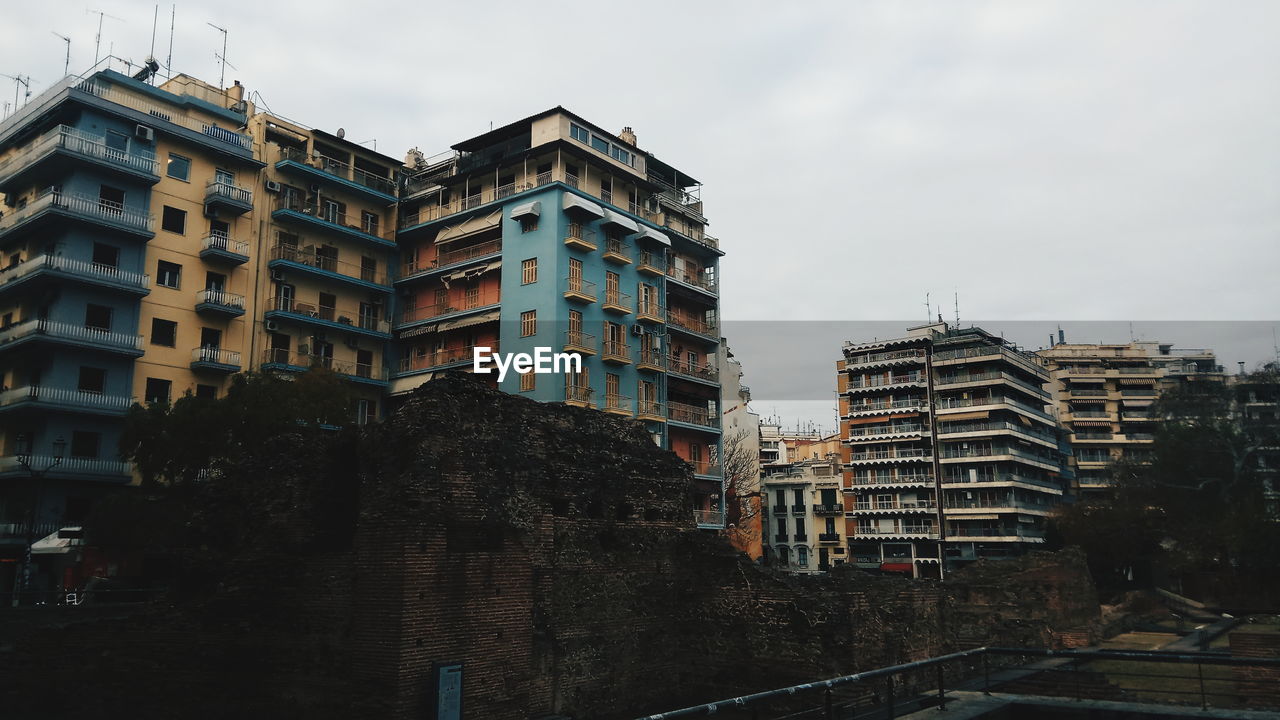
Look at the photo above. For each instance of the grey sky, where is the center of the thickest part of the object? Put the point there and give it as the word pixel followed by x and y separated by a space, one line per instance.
pixel 1080 160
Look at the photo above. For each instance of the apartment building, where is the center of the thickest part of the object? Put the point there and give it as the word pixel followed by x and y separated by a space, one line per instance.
pixel 950 454
pixel 552 232
pixel 1103 395
pixel 804 525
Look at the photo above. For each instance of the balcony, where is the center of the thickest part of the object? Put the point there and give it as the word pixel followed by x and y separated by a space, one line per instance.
pixel 779 509
pixel 617 302
pixel 76 467
pixel 616 352
pixel 780 538
pixel 927 532
pixel 885 432
pixel 579 342
pixel 996 426
pixel 217 138
pixel 895 357
pixel 1087 392
pixel 828 537
pixel 438 359
pixel 322 167
pixel 70 335
pixel 894 505
pixel 987 532
pixel 308 260
pixel 1001 479
pixel 277 359
pixel 328 218
pixel 912 479
pixel 64 147
pixel 709 519
pixel 617 251
pixel 580 238
pixel 689 323
pixel 652 263
pixel 697 282
pixel 1142 392
pixel 228 196
pixel 215 359
pixel 579 395
pixel 217 246
pixel 579 290
pixel 346 320
pixel 446 259
pixel 50 398
pixel 652 360
pixel 469 304
pixel 970 379
pixel 650 310
pixel 888 405
pixel 877 382
pixel 889 455
pixel 651 411
pixel 101 213
pixel 218 303
pixel 58 266
pixel 705 468
pixel 704 372
pixel 692 415
pixel 617 404
pixel 832 509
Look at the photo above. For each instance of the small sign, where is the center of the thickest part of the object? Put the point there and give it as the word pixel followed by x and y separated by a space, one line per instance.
pixel 447 691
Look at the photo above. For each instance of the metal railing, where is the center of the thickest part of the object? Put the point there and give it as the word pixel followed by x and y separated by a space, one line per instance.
pixel 884 381
pixel 692 414
pixel 341 169
pixel 439 358
pixel 701 326
pixel 957 428
pixel 888 404
pixel 914 479
pixel 167 113
pixel 896 453
pixel 311 258
pixel 616 403
pixel 583 288
pixel 220 297
pixel 227 191
pixel 580 235
pixel 62 396
pixel 447 258
pixel 709 518
pixel 650 409
pixel 79 142
pixel 1088 392
pixel 330 215
pixel 654 358
pixel 705 283
pixel 616 350
pixel 962 531
pixel 67 465
pixel 884 430
pixel 84 205
pixel 884 357
pixel 618 248
pixel 75 266
pixel 617 300
pixel 277 356
pixel 951 453
pixel 449 307
pixel 650 309
pixel 654 261
pixel 998 478
pixel 894 505
pixel 213 354
pixel 67 331
pixel 705 371
pixel 218 241
pixel 579 340
pixel 328 313
pixel 577 394
pixel 901 530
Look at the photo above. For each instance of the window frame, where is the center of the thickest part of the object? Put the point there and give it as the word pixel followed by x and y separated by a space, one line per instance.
pixel 168 170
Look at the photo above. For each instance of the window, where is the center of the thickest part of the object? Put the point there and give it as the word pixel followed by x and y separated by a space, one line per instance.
pixel 621 155
pixel 210 338
pixel 527 381
pixel 117 141
pixel 179 168
pixel 366 411
pixel 802 556
pixel 92 380
pixel 106 256
pixel 364 363
pixel 612 388
pixel 579 133
pixel 800 534
pixel 84 444
pixel 168 274
pixel 173 220
pixel 110 199
pixel 97 317
pixel 226 177
pixel 528 223
pixel 529 271
pixel 600 144
pixel 164 332
pixel 206 392
pixel 369 222
pixel 781 524
pixel 368 269
pixel 157 391
pixel 528 323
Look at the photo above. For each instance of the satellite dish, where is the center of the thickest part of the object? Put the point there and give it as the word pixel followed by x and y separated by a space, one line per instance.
pixel 341 133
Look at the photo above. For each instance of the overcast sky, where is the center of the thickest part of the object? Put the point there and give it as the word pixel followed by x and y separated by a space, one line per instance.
pixel 1054 161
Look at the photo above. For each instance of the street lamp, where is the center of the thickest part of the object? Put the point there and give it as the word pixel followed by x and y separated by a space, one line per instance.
pixel 25 459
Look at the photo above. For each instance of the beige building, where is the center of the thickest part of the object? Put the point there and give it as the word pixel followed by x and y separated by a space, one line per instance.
pixel 804 530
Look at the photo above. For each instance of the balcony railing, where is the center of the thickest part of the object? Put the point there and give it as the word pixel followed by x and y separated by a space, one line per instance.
pixel 218 241
pixel 67 465
pixel 80 268
pixel 577 394
pixel 276 356
pixel 330 215
pixel 580 237
pixel 309 257
pixel 651 409
pixel 617 301
pixel 616 403
pixel 167 114
pixel 895 454
pixel 698 325
pixel 67 331
pixel 649 309
pixel 653 358
pixel 828 537
pixel 828 509
pixel 577 340
pixel 616 350
pixel 1088 392
pixel 617 250
pixel 884 430
pixel 962 531
pixel 62 396
pixel 997 478
pixel 449 307
pixel 86 205
pixel 884 357
pixel 706 283
pixel 342 316
pixel 220 189
pixel 652 262
pixel 440 358
pixel 902 530
pixel 895 505
pixel 884 381
pixel 217 355
pixel 341 169
pixel 709 518
pixel 580 289
pixel 692 415
pixel 974 452
pixel 704 371
pixel 893 479
pixel 79 142
pixel 706 467
pixel 221 298
pixel 997 425
pixel 888 405
pixel 447 258
pixel 957 379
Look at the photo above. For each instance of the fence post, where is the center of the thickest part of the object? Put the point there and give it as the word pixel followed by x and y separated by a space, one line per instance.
pixel 986 675
pixel 942 691
pixel 890 714
pixel 1204 700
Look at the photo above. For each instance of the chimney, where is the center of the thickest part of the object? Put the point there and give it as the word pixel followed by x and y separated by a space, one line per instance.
pixel 627 136
pixel 236 92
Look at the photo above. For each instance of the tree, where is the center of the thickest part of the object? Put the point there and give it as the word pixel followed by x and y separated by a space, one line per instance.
pixel 742 498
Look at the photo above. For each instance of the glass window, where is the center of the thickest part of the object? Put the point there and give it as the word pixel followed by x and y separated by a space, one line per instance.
pixel 528 223
pixel 529 271
pixel 164 332
pixel 179 167
pixel 117 141
pixel 97 317
pixel 579 133
pixel 802 556
pixel 173 220
pixel 600 144
pixel 528 323
pixel 168 274
pixel 157 391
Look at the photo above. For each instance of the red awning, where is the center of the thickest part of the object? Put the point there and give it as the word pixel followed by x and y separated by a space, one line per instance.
pixel 896 567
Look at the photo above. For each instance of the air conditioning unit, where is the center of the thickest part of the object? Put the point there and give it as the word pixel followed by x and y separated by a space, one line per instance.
pixel 142 132
pixel 271 326
pixel 637 329
pixel 273 186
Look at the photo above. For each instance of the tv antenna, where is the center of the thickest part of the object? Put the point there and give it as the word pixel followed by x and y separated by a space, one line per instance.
pixel 19 80
pixel 222 79
pixel 97 39
pixel 928 309
pixel 66 66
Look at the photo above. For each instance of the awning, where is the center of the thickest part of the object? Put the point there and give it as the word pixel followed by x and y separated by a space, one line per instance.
pixel 1091 423
pixel 1024 420
pixel 975 516
pixel 980 415
pixel 573 202
pixel 533 208
pixel 1148 382
pixel 52 544
pixel 469 227
pixel 1135 403
pixel 485 317
pixel 648 233
pixel 420 330
pixel 471 272
pixel 622 221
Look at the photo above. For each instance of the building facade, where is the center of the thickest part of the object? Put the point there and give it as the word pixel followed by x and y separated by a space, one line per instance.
pixel 951 454
pixel 804 529
pixel 1103 394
